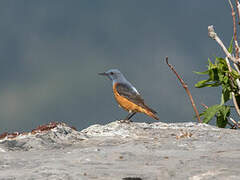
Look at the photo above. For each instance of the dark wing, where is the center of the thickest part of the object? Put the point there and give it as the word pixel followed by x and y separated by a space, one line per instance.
pixel 131 94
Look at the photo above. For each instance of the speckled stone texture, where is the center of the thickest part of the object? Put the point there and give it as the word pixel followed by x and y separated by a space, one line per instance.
pixel 134 151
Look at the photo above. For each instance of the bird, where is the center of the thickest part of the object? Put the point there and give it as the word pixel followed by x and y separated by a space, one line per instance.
pixel 127 95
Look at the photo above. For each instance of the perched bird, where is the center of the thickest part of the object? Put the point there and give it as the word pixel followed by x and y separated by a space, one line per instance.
pixel 127 95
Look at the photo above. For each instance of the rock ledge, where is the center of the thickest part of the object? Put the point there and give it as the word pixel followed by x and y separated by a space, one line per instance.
pixel 122 151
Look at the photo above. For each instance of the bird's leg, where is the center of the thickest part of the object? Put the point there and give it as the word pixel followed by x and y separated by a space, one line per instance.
pixel 130 115
pixel 127 119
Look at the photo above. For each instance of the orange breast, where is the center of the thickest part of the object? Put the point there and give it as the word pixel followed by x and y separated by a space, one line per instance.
pixel 125 103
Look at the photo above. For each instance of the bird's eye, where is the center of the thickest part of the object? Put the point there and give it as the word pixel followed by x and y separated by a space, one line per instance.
pixel 111 73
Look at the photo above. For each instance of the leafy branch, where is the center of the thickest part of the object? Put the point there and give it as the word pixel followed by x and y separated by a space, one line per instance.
pixel 225 74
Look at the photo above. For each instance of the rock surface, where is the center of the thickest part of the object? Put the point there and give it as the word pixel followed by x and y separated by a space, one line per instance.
pixel 119 151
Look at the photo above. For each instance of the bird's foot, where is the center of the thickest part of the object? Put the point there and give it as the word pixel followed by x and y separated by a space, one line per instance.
pixel 128 121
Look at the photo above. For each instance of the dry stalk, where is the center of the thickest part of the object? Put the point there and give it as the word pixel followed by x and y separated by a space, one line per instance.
pixel 184 85
pixel 234 30
pixel 235 103
pixel 236 67
pixel 233 94
pixel 238 10
pixel 230 70
pixel 214 36
pixel 234 122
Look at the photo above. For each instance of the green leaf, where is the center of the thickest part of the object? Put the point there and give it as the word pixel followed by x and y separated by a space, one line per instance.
pixel 226 95
pixel 221 122
pixel 210 64
pixel 213 74
pixel 202 83
pixel 221 77
pixel 201 73
pixel 230 48
pixel 210 113
pixel 226 80
pixel 224 112
pixel 220 60
pixel 235 74
pixel 216 84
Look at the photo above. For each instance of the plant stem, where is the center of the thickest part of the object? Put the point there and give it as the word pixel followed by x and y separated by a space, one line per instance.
pixel 238 9
pixel 184 85
pixel 214 36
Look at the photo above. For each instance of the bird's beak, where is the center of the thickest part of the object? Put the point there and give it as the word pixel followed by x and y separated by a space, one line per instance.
pixel 103 74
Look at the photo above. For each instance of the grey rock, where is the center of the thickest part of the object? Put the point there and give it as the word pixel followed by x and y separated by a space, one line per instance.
pixel 134 151
pixel 60 136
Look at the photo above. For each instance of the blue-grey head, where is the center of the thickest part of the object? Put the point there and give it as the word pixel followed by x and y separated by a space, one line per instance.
pixel 114 74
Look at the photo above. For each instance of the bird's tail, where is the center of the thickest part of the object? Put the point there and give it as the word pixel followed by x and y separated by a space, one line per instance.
pixel 150 112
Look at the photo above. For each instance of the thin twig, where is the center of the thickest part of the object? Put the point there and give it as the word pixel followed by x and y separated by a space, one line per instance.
pixel 236 67
pixel 232 126
pixel 214 36
pixel 235 103
pixel 186 89
pixel 204 105
pixel 233 94
pixel 230 70
pixel 234 122
pixel 234 30
pixel 238 10
pixel 237 80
